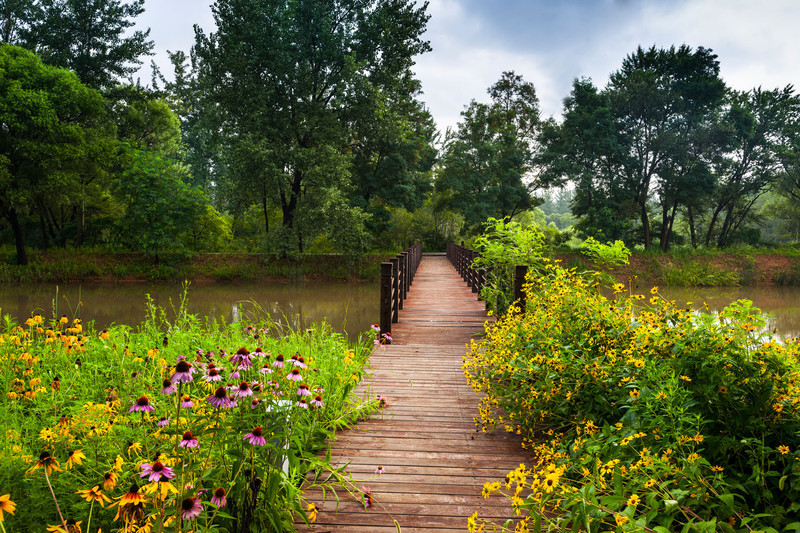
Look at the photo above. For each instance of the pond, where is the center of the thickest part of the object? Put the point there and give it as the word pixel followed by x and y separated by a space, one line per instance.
pixel 349 307
pixel 783 303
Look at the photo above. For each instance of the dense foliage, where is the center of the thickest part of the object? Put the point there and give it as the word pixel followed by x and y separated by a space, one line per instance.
pixel 641 417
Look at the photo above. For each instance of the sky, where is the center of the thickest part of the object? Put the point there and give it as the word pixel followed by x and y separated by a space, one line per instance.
pixel 552 42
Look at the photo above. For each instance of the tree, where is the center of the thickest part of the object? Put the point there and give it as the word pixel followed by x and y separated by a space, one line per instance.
pixel 15 18
pixel 486 161
pixel 90 37
pixel 761 124
pixel 55 131
pixel 289 83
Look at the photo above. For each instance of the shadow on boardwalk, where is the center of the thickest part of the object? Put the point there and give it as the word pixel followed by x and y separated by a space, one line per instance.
pixel 435 464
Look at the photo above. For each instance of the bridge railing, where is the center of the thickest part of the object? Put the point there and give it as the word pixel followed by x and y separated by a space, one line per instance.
pixel 397 275
pixel 463 260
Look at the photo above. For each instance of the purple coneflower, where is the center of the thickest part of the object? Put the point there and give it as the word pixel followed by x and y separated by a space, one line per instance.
pixel 191 508
pixel 156 471
pixel 265 369
pixel 167 387
pixel 278 362
pixel 142 404
pixel 317 401
pixel 255 403
pixel 294 375
pixel 242 391
pixel 163 421
pixel 188 440
pixel 183 372
pixel 212 375
pixel 186 402
pixel 219 498
pixel 375 327
pixel 302 390
pixel 235 374
pixel 258 352
pixel 379 470
pixel 220 399
pixel 302 403
pixel 256 437
pixel 242 359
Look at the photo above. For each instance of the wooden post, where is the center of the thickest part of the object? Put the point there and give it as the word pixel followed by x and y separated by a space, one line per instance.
pixel 395 291
pixel 519 280
pixel 406 273
pixel 386 298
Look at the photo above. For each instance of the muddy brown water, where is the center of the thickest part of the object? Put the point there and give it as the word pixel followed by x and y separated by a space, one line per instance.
pixel 349 307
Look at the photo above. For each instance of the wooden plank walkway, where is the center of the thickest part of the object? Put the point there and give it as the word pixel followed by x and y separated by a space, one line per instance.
pixel 434 460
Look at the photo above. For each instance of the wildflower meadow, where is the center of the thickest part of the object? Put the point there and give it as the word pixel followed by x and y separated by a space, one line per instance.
pixel 172 426
pixel 640 414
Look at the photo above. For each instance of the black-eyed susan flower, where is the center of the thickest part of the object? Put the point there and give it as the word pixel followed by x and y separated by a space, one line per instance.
pixel 633 501
pixel 70 526
pixel 311 512
pixel 110 480
pixel 6 505
pixel 76 457
pixel 94 495
pixel 46 461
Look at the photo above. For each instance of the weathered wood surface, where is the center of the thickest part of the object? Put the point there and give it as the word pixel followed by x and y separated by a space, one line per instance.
pixel 434 460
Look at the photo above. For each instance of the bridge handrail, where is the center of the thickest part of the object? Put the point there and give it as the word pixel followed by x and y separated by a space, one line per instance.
pixel 397 275
pixel 462 259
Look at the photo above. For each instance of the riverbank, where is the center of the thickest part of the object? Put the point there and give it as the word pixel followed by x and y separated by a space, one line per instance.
pixel 702 269
pixel 63 266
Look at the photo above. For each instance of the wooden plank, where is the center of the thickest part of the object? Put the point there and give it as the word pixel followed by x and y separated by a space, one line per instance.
pixel 435 461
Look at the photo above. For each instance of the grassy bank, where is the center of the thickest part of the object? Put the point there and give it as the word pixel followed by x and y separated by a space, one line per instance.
pixel 704 268
pixel 75 265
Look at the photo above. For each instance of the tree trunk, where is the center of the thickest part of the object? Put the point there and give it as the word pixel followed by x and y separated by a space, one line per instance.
pixel 690 215
pixel 43 229
pixel 266 213
pixel 645 226
pixel 664 236
pixel 19 239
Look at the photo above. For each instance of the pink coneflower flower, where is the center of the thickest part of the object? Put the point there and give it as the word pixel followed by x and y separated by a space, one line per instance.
pixel 258 352
pixel 256 437
pixel 142 404
pixel 367 496
pixel 183 372
pixel 198 352
pixel 186 402
pixel 242 359
pixel 278 362
pixel 212 374
pixel 156 471
pixel 235 374
pixel 302 390
pixel 219 498
pixel 167 387
pixel 188 440
pixel 375 327
pixel 302 403
pixel 379 470
pixel 163 422
pixel 220 399
pixel 298 361
pixel 294 375
pixel 255 403
pixel 191 508
pixel 265 369
pixel 242 391
pixel 317 401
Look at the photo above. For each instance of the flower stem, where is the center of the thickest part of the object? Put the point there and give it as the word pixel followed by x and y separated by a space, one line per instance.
pixel 89 522
pixel 47 478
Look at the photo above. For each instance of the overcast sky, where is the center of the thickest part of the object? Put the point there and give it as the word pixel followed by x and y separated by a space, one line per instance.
pixel 551 42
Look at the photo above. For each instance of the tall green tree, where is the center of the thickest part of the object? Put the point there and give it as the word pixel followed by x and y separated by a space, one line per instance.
pixel 15 19
pixel 486 161
pixel 90 37
pixel 55 132
pixel 761 123
pixel 291 81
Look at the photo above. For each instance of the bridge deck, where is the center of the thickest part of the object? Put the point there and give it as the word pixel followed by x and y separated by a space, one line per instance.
pixel 435 463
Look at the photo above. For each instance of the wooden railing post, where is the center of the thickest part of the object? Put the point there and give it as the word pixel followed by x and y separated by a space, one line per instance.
pixel 519 280
pixel 395 290
pixel 386 298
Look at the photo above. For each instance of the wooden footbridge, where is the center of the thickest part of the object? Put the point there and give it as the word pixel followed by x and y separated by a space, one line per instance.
pixel 434 462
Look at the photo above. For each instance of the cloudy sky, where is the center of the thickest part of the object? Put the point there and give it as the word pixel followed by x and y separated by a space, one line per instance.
pixel 551 42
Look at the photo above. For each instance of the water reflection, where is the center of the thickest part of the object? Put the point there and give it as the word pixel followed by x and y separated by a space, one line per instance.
pixel 348 307
pixel 783 303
